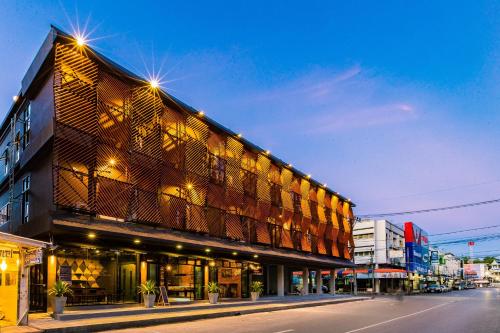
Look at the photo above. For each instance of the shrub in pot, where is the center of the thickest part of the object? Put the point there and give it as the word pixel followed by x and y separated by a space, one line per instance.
pixel 61 290
pixel 256 288
pixel 213 292
pixel 148 290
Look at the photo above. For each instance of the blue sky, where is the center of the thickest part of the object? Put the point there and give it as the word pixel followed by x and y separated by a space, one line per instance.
pixel 394 104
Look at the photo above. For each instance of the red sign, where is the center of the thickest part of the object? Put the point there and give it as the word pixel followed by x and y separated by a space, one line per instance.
pixel 471 243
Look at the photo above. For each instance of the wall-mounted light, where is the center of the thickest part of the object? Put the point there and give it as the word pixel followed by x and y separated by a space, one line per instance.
pixel 97 251
pixel 324 185
pixel 268 152
pixel 239 135
pixel 255 256
pixel 201 113
pixel 235 253
pixel 308 176
pixel 15 98
pixel 169 268
pixel 289 165
pixel 178 246
pixel 137 241
pixel 207 250
pixel 91 235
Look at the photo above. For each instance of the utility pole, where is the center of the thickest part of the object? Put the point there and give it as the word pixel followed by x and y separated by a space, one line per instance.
pixel 372 265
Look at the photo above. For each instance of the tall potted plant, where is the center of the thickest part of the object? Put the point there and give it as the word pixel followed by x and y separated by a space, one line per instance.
pixel 148 290
pixel 61 290
pixel 213 292
pixel 256 289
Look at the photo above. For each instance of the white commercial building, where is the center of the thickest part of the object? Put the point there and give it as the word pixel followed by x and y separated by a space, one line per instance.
pixel 379 244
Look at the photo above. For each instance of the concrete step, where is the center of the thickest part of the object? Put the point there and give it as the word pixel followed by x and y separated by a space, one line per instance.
pixel 112 322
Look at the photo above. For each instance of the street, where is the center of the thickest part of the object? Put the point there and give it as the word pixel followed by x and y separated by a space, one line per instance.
pixel 476 311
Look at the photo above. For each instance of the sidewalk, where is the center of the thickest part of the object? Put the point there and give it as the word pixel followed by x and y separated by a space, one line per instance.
pixel 125 317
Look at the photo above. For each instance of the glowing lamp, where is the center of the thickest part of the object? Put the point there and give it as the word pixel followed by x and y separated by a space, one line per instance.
pixel 212 264
pixel 255 256
pixel 137 241
pixel 154 83
pixel 3 265
pixel 201 113
pixel 15 98
pixel 80 41
pixel 189 186
pixel 207 250
pixel 235 253
pixel 112 161
pixel 178 246
pixel 91 235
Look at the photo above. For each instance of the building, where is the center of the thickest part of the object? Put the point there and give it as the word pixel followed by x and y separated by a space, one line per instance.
pixel 132 184
pixel 417 256
pixel 445 267
pixel 17 255
pixel 379 244
pixel 495 271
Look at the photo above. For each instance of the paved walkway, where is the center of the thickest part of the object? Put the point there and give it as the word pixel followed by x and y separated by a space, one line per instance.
pixel 124 317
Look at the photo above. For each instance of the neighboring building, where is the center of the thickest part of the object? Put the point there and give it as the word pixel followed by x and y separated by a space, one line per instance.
pixel 495 271
pixel 445 267
pixel 132 184
pixel 379 244
pixel 477 273
pixel 417 256
pixel 17 256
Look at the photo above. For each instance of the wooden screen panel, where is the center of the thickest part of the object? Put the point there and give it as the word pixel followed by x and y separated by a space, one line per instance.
pixel 306 242
pixel 196 219
pixel 286 239
pixel 172 212
pixel 216 196
pixel 145 172
pixel 196 157
pixel 147 207
pixel 263 211
pixel 75 80
pixel 71 188
pixel 112 197
pixel 216 222
pixel 234 228
pixel 262 231
pixel 73 149
pixel 196 187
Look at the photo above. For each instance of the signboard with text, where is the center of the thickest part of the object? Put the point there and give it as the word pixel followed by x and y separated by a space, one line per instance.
pixel 417 249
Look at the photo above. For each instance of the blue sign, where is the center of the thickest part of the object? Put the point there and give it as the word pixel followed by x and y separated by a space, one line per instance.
pixel 434 257
pixel 417 249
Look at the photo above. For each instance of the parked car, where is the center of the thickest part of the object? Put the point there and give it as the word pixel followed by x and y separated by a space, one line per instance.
pixel 470 285
pixel 444 288
pixel 434 288
pixel 459 285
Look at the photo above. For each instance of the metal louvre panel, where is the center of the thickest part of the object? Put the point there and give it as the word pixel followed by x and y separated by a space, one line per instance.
pixel 147 109
pixel 277 215
pixel 234 200
pixel 196 157
pixel 286 179
pixel 321 246
pixel 234 228
pixel 263 211
pixel 145 172
pixel 263 184
pixel 147 207
pixel 234 151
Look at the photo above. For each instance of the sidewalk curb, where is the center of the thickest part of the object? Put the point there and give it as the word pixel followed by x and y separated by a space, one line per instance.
pixel 187 317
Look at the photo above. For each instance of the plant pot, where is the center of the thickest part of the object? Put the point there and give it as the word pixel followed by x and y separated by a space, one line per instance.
pixel 59 303
pixel 255 295
pixel 149 300
pixel 213 297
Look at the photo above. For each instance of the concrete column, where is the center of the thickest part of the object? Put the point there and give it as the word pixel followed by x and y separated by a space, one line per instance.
pixel 319 282
pixel 280 283
pixel 332 282
pixel 305 281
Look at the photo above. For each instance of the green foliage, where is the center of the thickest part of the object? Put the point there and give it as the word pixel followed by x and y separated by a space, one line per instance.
pixel 257 287
pixel 61 289
pixel 148 288
pixel 213 287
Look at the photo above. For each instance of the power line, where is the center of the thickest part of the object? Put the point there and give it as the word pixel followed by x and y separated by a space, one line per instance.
pixel 464 240
pixel 429 210
pixel 459 231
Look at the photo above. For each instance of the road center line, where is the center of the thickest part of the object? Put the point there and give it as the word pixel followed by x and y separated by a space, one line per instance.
pixel 397 318
pixel 285 331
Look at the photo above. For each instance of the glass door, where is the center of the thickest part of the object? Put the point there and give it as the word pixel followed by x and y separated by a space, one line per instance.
pixel 199 279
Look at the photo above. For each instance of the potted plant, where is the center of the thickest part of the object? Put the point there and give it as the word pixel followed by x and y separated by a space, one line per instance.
pixel 148 290
pixel 61 290
pixel 213 292
pixel 256 288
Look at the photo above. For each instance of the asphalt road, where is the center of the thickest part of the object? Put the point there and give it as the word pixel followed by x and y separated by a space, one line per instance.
pixel 468 311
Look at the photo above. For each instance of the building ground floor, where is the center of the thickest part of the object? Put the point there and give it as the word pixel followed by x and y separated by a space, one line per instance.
pixel 381 280
pixel 106 267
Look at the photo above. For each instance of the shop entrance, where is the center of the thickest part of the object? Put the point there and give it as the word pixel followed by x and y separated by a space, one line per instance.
pixel 128 281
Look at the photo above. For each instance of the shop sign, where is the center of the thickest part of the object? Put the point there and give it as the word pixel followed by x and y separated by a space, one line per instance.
pixel 434 257
pixel 65 274
pixel 33 257
pixel 6 253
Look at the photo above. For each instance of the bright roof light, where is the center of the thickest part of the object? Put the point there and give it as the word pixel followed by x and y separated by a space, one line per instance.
pixel 154 83
pixel 80 41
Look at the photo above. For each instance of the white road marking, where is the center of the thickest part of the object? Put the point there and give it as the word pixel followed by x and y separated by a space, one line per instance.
pixel 285 331
pixel 397 318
